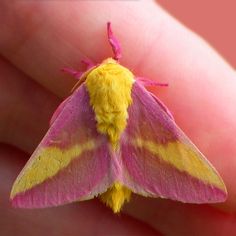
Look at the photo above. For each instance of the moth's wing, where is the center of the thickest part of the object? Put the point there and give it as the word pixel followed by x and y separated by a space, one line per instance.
pixel 160 161
pixel 71 162
pixel 59 109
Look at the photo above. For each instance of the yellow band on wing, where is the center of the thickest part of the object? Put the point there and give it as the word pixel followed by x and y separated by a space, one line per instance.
pixel 184 158
pixel 46 163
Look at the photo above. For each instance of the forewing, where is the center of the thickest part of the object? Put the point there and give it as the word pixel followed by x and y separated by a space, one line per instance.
pixel 71 162
pixel 158 158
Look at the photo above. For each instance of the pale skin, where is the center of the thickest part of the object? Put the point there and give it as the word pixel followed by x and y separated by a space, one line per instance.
pixel 38 38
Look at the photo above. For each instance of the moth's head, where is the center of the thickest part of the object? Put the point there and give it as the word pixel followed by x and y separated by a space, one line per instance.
pixel 109 70
pixel 109 65
pixel 107 61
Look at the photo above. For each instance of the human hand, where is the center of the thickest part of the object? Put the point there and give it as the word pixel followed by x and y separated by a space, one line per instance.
pixel 38 38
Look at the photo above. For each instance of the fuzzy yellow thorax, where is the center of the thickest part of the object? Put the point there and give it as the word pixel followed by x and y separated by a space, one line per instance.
pixel 116 196
pixel 109 86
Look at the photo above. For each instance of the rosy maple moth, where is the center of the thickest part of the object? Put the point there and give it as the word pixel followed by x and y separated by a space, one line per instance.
pixel 112 137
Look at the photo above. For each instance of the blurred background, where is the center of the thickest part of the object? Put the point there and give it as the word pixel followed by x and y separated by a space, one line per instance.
pixel 214 20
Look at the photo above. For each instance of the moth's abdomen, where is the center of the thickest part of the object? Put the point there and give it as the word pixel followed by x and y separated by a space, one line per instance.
pixel 109 86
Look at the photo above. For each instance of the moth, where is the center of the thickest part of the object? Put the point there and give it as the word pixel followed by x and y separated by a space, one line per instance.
pixel 111 138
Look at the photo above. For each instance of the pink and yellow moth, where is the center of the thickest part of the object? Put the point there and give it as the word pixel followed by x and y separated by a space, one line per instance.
pixel 112 137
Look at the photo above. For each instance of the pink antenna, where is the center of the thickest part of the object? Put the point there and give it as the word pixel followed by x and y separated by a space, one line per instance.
pixel 115 45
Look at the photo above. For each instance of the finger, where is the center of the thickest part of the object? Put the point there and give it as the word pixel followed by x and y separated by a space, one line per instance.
pixel 85 218
pixel 38 45
pixel 25 108
pixel 174 218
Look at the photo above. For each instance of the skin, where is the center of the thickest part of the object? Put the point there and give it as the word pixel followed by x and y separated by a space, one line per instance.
pixel 38 38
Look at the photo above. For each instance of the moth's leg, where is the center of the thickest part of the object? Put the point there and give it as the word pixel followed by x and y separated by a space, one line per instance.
pixel 76 74
pixel 115 45
pixel 148 82
pixel 88 63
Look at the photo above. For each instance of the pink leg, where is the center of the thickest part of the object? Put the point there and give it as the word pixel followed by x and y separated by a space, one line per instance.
pixel 77 74
pixel 148 82
pixel 88 63
pixel 73 72
pixel 114 43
